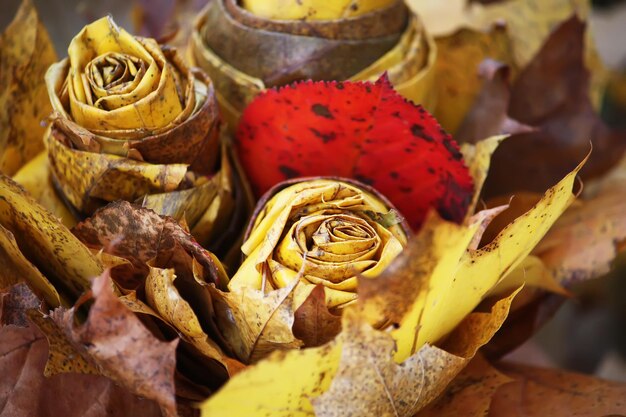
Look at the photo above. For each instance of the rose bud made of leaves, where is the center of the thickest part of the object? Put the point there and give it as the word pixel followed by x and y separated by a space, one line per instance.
pixel 249 46
pixel 361 130
pixel 133 122
pixel 324 231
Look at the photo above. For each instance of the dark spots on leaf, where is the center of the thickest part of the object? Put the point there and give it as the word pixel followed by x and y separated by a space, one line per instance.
pixel 325 137
pixel 456 154
pixel 357 119
pixel 322 111
pixel 396 114
pixel 288 172
pixel 394 175
pixel 405 190
pixel 339 85
pixel 419 132
pixel 364 179
pixel 431 170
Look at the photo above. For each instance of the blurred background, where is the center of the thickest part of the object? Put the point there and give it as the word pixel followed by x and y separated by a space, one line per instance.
pixel 588 334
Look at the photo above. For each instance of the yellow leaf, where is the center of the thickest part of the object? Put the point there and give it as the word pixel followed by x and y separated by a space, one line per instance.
pixel 14 267
pixel 49 245
pixel 452 295
pixel 25 54
pixel 35 178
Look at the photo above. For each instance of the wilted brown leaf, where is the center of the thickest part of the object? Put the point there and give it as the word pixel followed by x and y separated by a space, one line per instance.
pixel 470 393
pixel 584 242
pixel 26 392
pixel 565 120
pixel 549 392
pixel 313 323
pixel 140 235
pixel 116 344
pixel 15 302
pixel 26 52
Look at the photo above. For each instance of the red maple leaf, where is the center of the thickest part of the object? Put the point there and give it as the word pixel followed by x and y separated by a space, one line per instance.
pixel 359 130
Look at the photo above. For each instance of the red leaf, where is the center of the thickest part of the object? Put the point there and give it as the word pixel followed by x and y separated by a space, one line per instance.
pixel 358 130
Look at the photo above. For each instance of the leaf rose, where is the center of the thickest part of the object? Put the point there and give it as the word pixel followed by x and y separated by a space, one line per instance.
pixel 132 121
pixel 324 232
pixel 249 47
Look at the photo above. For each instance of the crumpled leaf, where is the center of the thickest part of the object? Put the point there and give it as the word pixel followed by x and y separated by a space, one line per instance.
pixel 302 128
pixel 169 279
pixel 37 246
pixel 140 235
pixel 26 51
pixel 565 120
pixel 541 392
pixel 27 392
pixel 470 393
pixel 110 339
pixel 383 39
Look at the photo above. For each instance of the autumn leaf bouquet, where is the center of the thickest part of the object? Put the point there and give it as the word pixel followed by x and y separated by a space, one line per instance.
pixel 369 278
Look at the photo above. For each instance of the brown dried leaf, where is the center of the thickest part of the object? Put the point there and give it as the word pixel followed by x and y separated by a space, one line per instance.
pixel 551 392
pixel 488 116
pixel 140 235
pixel 26 392
pixel 584 242
pixel 119 346
pixel 313 323
pixel 470 393
pixel 14 302
pixel 565 120
pixel 26 52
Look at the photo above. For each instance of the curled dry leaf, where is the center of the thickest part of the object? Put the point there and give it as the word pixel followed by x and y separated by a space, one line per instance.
pixel 27 392
pixel 540 392
pixel 360 130
pixel 115 343
pixel 385 38
pixel 25 54
pixel 168 278
pixel 36 247
pixel 132 121
pixel 564 120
